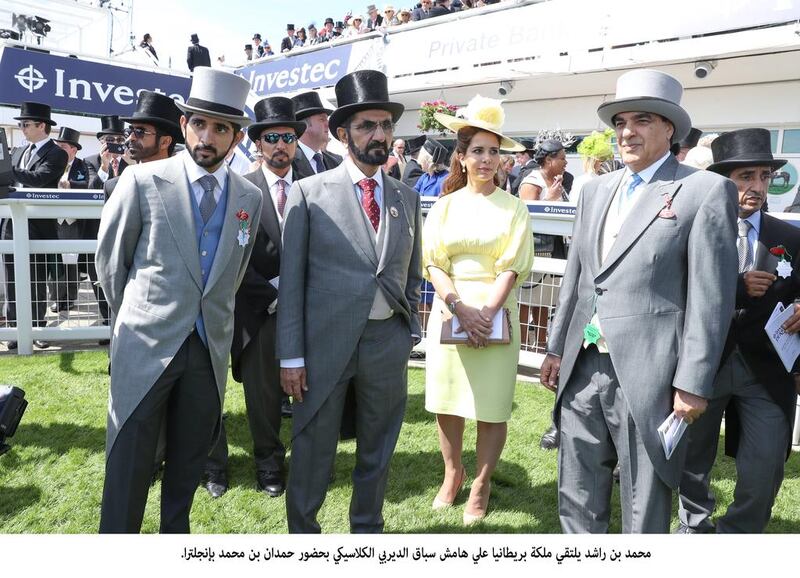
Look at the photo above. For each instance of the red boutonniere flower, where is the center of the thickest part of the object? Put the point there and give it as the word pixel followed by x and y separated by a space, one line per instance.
pixel 242 215
pixel 244 227
pixel 780 251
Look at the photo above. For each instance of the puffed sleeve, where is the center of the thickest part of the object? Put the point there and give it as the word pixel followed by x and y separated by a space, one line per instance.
pixel 433 249
pixel 517 255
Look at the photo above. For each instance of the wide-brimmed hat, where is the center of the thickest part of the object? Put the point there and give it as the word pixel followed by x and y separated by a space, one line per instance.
pixel 437 150
pixel 362 90
pixel 308 104
pixel 111 124
pixel 69 135
pixel 652 91
pixel 414 144
pixel 274 111
pixel 35 111
pixel 483 113
pixel 159 110
pixel 219 94
pixel 743 148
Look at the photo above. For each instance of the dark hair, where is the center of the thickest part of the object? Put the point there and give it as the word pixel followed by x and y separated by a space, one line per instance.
pixel 547 148
pixel 159 133
pixel 457 179
pixel 146 38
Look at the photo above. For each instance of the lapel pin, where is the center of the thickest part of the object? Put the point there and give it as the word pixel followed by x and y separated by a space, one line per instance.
pixel 393 212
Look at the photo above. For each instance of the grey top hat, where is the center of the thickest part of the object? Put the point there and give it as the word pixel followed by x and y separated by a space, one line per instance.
pixel 648 90
pixel 219 94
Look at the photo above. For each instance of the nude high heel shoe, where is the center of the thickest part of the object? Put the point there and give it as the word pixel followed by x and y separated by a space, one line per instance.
pixel 439 504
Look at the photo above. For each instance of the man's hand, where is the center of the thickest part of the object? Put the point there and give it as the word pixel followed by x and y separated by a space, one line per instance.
pixel 756 283
pixel 792 325
pixel 293 381
pixel 549 372
pixel 688 406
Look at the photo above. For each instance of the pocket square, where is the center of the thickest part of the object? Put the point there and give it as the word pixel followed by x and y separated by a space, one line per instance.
pixel 666 213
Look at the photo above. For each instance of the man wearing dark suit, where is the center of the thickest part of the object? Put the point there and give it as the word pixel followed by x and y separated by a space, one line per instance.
pixel 40 164
pixel 374 20
pixel 753 387
pixel 439 9
pixel 253 360
pixel 311 158
pixel 288 42
pixel 413 171
pixel 197 55
pixel 423 12
pixel 526 165
pixel 350 278
pixel 107 164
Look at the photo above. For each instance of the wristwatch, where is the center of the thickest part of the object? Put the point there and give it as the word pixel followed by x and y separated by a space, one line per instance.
pixel 452 305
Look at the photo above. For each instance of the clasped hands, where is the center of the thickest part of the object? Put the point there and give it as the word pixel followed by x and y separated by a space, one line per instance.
pixel 477 323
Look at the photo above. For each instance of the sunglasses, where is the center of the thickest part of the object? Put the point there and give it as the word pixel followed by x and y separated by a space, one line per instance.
pixel 137 131
pixel 27 124
pixel 274 137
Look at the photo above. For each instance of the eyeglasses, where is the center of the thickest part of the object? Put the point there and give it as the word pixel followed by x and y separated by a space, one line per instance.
pixel 27 124
pixel 369 127
pixel 137 131
pixel 274 137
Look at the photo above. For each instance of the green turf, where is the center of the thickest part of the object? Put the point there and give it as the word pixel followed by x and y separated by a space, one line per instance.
pixel 51 480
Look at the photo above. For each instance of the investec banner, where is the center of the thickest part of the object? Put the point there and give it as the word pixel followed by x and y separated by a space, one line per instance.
pixel 306 71
pixel 72 85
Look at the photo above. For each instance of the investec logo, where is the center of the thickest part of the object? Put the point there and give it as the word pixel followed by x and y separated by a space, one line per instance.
pixel 32 80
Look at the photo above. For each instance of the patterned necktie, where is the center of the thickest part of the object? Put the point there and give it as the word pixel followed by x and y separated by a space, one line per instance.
pixel 743 246
pixel 369 203
pixel 318 162
pixel 208 203
pixel 26 158
pixel 281 196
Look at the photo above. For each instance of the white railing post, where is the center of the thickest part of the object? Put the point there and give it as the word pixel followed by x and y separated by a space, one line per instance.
pixel 22 278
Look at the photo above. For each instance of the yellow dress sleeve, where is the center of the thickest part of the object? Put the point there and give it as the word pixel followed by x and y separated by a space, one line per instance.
pixel 433 249
pixel 517 255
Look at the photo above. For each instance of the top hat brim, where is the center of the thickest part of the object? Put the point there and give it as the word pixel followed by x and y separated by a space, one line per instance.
pixel 306 112
pixel 669 110
pixel 342 113
pixel 169 127
pixel 241 120
pixel 455 124
pixel 49 121
pixel 726 166
pixel 255 129
pixel 77 145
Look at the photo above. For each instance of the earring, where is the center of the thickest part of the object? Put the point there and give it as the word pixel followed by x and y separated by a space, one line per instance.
pixel 463 168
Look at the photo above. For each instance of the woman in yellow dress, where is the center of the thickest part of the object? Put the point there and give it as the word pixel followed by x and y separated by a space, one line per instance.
pixel 477 249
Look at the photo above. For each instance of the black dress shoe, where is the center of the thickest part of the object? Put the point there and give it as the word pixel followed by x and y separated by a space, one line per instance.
pixel 11 345
pixel 216 483
pixel 684 529
pixel 41 344
pixel 286 408
pixel 550 438
pixel 271 483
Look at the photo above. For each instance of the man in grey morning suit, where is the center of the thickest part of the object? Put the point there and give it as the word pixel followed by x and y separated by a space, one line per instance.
pixel 650 240
pixel 174 241
pixel 349 290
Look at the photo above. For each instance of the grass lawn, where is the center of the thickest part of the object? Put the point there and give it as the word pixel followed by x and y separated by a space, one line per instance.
pixel 51 480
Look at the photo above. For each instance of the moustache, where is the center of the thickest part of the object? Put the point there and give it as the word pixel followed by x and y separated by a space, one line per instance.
pixel 207 148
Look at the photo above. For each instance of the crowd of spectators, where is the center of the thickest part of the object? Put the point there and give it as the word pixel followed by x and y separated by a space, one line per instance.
pixel 355 24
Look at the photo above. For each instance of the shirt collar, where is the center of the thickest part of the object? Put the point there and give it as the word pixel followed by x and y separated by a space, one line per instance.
pixel 41 143
pixel 755 221
pixel 648 173
pixel 194 172
pixel 272 178
pixel 307 150
pixel 356 174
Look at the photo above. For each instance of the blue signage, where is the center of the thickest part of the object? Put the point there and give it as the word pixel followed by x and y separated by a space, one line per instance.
pixel 73 85
pixel 538 209
pixel 57 195
pixel 304 71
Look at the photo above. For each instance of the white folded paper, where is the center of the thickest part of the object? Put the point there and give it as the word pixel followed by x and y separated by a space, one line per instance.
pixel 497 327
pixel 670 433
pixel 787 345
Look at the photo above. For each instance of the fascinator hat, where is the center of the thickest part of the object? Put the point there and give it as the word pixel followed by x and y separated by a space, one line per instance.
pixel 482 113
pixel 597 145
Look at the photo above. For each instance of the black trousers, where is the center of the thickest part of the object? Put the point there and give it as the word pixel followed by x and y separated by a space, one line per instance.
pixel 186 396
pixel 262 395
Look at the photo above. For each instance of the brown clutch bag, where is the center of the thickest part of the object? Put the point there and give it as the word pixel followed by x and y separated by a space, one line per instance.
pixel 501 330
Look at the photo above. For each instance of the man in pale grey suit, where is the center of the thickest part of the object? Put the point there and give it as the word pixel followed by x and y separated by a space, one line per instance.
pixel 645 305
pixel 174 241
pixel 347 313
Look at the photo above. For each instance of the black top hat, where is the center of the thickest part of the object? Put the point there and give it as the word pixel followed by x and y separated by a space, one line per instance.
pixel 339 25
pixel 35 111
pixel 290 27
pixel 690 141
pixel 308 104
pixel 414 144
pixel 159 110
pixel 528 144
pixel 274 111
pixel 743 148
pixel 111 124
pixel 194 39
pixel 69 135
pixel 256 36
pixel 362 90
pixel 248 47
pixel 329 21
pixel 437 151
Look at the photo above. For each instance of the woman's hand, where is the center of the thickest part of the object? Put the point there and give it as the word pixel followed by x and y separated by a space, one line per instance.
pixel 475 323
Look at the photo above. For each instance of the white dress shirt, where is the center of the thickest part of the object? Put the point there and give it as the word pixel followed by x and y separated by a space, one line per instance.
pixel 195 172
pixel 272 182
pixel 752 234
pixel 309 152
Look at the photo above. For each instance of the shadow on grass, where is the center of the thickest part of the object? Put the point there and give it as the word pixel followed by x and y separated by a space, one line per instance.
pixel 16 499
pixel 61 437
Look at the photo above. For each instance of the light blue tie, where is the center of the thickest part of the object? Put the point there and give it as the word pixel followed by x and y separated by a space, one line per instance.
pixel 634 182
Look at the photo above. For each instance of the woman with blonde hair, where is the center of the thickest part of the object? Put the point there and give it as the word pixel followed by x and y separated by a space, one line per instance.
pixel 477 249
pixel 595 149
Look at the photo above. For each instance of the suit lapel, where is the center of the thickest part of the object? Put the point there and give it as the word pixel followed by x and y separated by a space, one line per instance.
pixel 269 216
pixel 765 261
pixel 173 188
pixel 644 212
pixel 302 165
pixel 395 218
pixel 338 182
pixel 230 227
pixel 39 154
pixel 604 202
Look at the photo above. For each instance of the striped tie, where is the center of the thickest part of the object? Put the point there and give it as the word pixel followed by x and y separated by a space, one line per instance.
pixel 743 246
